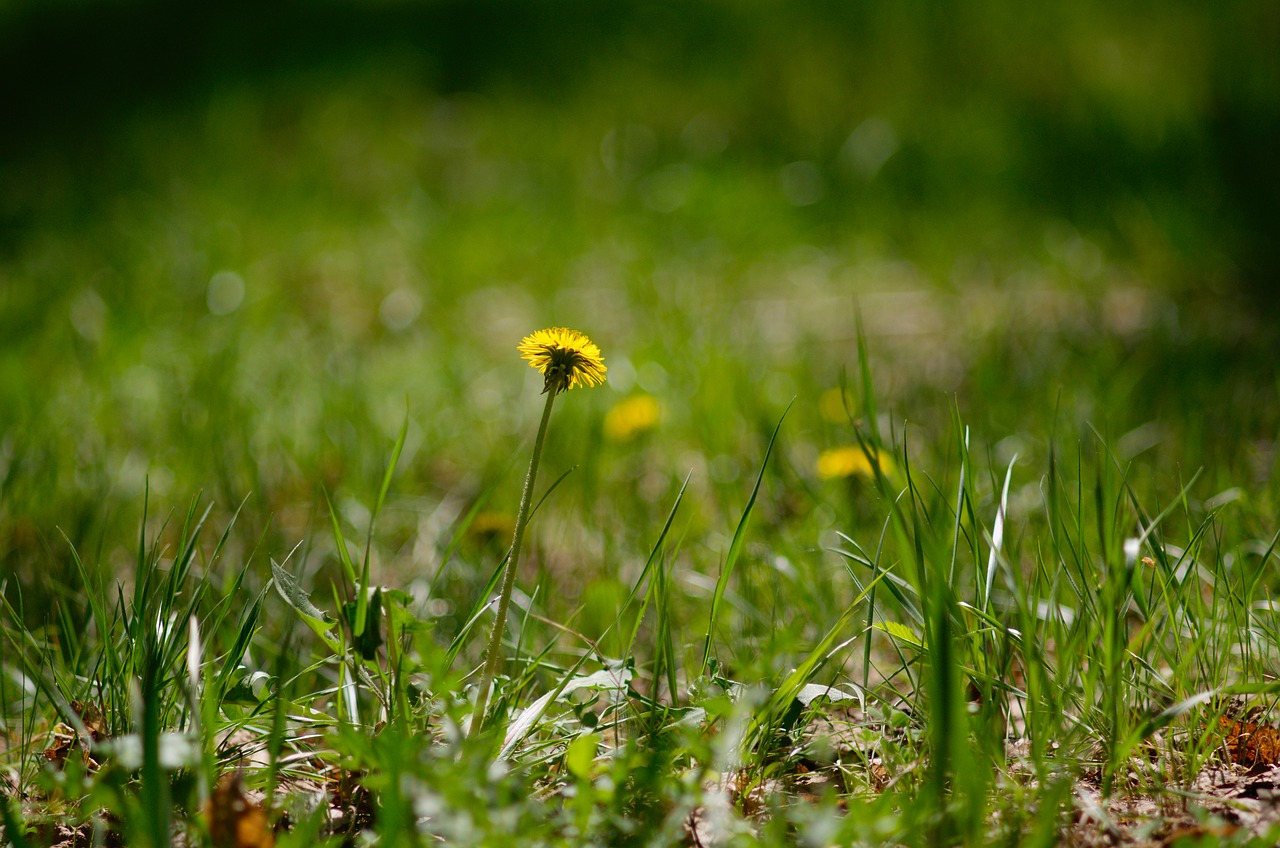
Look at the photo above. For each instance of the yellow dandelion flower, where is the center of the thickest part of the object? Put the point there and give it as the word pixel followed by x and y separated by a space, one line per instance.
pixel 835 404
pixel 851 461
pixel 490 525
pixel 567 358
pixel 630 417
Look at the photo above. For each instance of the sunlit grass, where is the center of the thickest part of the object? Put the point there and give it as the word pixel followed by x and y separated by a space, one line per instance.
pixel 897 521
pixel 986 651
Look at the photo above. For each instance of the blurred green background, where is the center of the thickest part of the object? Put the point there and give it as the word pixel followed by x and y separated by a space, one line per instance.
pixel 239 241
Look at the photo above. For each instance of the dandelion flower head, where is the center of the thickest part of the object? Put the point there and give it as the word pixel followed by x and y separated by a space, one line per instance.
pixel 631 417
pixel 835 405
pixel 491 525
pixel 851 461
pixel 566 358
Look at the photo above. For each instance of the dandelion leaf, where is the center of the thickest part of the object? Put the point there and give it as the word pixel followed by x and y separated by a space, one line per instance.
pixel 294 595
pixel 900 632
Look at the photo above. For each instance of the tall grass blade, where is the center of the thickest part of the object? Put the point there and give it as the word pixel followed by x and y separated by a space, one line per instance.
pixel 735 546
pixel 997 535
pixel 655 557
pixel 340 542
pixel 868 389
pixel 362 588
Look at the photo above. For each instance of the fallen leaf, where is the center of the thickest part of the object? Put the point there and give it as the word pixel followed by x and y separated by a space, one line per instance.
pixel 235 819
pixel 1196 834
pixel 1250 744
pixel 94 722
pixel 64 741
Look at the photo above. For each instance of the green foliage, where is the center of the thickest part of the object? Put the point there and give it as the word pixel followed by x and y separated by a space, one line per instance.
pixel 1028 287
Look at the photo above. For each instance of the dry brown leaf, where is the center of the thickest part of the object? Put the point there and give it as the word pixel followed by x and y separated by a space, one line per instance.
pixel 235 819
pixel 1250 744
pixel 94 721
pixel 64 738
pixel 1194 834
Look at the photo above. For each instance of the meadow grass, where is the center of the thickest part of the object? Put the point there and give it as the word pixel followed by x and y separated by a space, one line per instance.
pixel 262 426
pixel 982 638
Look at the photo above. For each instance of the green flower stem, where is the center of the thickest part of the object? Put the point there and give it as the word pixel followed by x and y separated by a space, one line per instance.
pixel 494 654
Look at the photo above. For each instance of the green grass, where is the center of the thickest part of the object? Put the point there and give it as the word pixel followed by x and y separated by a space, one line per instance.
pixel 263 426
pixel 1103 631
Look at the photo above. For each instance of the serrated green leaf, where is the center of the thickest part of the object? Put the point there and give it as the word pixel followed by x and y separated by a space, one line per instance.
pixel 900 632
pixel 319 621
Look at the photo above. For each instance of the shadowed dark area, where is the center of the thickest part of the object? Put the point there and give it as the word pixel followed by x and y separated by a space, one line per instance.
pixel 1071 146
pixel 71 71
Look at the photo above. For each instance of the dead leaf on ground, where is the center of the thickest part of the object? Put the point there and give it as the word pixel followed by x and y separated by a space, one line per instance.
pixel 64 739
pixel 1250 744
pixel 94 721
pixel 235 819
pixel 1195 834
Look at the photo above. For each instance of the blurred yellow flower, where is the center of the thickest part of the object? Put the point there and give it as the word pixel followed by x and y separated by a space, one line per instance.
pixel 850 461
pixel 630 417
pixel 491 525
pixel 835 405
pixel 567 358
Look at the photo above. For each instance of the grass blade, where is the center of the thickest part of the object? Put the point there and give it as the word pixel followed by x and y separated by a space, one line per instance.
pixel 735 547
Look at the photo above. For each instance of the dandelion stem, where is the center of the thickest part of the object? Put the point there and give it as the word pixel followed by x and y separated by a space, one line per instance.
pixel 494 655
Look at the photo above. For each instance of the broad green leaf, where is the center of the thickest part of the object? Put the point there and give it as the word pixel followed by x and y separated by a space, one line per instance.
pixel 900 632
pixel 581 755
pixel 524 723
pixel 811 692
pixel 14 828
pixel 532 714
pixel 606 678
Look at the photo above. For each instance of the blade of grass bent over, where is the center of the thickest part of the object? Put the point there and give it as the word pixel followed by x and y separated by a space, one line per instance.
pixel 997 535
